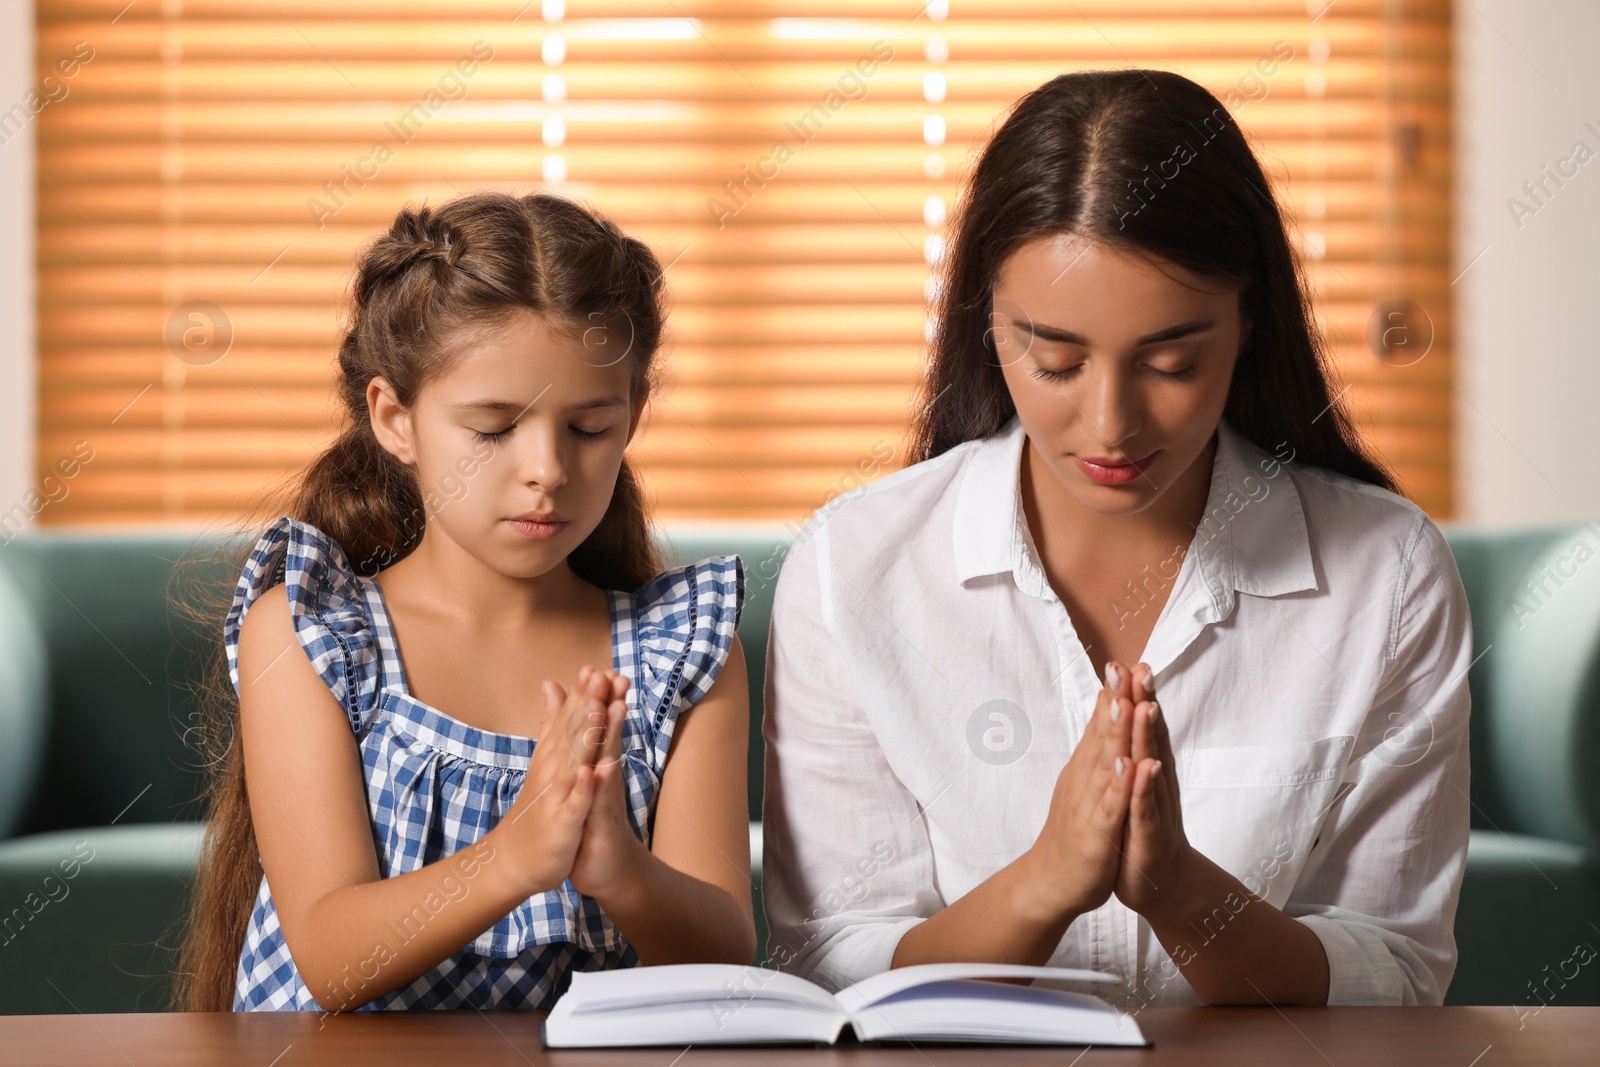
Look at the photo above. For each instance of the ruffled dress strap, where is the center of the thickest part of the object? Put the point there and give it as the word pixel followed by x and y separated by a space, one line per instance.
pixel 329 607
pixel 681 631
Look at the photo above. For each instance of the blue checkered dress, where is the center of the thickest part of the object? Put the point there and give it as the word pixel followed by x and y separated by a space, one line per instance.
pixel 436 785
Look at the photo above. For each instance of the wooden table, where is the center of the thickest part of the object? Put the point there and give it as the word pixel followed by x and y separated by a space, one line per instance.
pixel 1194 1037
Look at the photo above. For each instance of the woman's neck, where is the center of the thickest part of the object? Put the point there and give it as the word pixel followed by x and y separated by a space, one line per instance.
pixel 1081 535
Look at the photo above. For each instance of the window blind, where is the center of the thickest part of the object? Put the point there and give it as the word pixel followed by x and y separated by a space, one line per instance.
pixel 209 168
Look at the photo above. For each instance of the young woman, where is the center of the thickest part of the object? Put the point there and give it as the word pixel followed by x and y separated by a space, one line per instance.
pixel 550 778
pixel 1135 483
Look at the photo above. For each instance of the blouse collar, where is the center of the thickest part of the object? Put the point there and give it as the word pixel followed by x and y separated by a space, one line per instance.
pixel 1253 538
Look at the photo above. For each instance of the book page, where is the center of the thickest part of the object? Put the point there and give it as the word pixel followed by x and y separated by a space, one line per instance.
pixel 691 1004
pixel 746 1023
pixel 879 987
pixel 688 983
pixel 967 1009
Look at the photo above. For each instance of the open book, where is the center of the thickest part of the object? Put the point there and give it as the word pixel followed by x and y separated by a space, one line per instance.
pixel 718 1003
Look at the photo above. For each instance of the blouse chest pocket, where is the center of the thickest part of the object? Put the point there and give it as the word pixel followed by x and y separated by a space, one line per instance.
pixel 1256 810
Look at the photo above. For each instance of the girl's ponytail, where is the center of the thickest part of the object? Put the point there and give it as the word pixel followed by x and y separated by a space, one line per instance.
pixel 358 494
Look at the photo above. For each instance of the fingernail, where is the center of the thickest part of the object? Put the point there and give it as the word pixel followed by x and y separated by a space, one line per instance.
pixel 1113 676
pixel 1155 712
pixel 1119 767
pixel 1116 709
pixel 1156 773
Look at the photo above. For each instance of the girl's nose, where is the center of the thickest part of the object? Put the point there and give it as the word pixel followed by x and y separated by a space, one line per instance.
pixel 542 461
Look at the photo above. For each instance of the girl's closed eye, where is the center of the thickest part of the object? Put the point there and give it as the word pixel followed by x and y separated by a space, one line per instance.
pixel 578 431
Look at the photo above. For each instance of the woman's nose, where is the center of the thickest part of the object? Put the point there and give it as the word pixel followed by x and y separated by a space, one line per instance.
pixel 1116 412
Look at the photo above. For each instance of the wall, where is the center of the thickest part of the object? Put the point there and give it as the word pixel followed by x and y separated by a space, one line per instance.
pixel 17 313
pixel 1528 413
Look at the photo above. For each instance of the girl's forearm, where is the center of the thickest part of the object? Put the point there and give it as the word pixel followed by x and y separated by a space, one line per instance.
pixel 363 940
pixel 1005 919
pixel 1234 948
pixel 672 917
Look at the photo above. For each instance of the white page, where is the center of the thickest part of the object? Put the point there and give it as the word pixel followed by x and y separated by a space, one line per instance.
pixel 965 1009
pixel 747 1023
pixel 869 991
pixel 643 987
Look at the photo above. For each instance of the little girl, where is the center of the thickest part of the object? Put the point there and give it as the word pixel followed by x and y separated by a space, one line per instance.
pixel 430 833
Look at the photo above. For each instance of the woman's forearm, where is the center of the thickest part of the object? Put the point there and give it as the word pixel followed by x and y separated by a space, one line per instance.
pixel 1006 919
pixel 672 917
pixel 364 940
pixel 1234 948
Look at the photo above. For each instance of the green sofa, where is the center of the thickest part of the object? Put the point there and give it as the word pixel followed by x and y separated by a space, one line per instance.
pixel 98 778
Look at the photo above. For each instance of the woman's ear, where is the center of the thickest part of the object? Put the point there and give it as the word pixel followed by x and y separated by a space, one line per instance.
pixel 391 422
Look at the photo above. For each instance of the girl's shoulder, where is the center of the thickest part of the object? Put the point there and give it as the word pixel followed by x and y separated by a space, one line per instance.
pixel 328 606
pixel 712 587
pixel 680 633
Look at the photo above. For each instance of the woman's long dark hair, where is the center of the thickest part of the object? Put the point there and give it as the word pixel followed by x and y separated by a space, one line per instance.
pixel 1097 154
pixel 437 275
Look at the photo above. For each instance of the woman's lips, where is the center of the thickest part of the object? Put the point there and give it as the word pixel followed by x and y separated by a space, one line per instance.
pixel 537 531
pixel 1107 472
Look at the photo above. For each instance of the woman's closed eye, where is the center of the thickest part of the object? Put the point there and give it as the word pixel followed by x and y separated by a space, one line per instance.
pixel 1056 374
pixel 1050 374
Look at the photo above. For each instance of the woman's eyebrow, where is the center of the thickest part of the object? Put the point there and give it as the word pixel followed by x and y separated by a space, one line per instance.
pixel 1171 333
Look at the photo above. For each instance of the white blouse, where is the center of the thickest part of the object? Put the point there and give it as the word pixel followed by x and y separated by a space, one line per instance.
pixel 925 687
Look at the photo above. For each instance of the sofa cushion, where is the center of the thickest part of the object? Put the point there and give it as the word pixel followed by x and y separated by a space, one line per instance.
pixel 92 917
pixel 762 548
pixel 1541 743
pixel 24 703
pixel 1525 926
pixel 121 666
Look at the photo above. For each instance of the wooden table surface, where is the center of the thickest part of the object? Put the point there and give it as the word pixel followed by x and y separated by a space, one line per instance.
pixel 1195 1037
